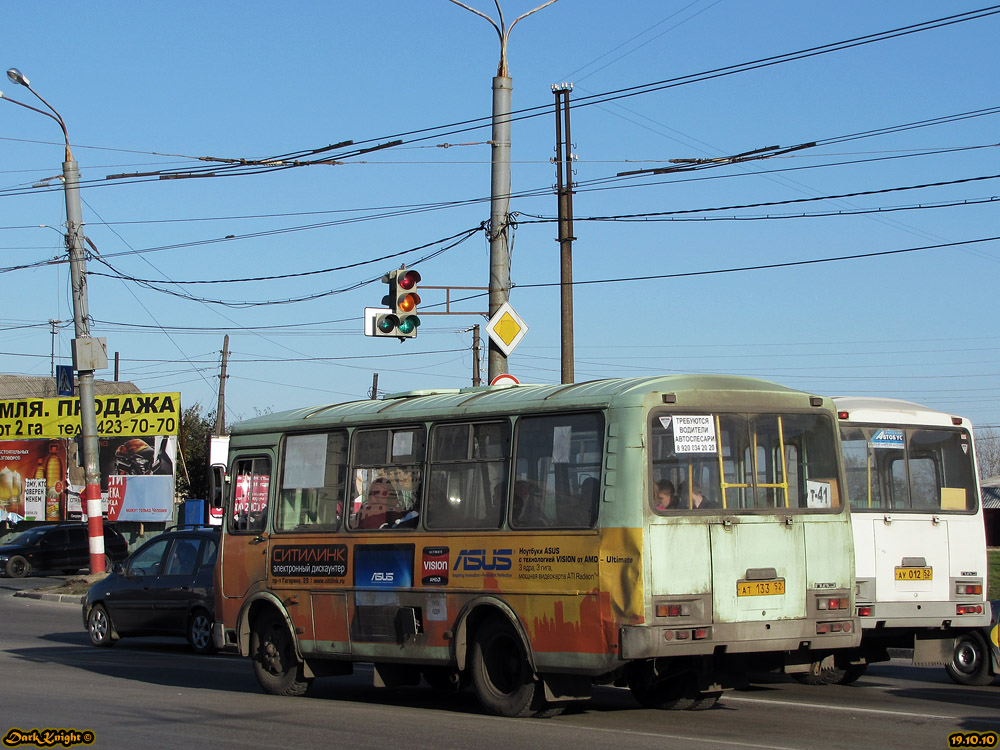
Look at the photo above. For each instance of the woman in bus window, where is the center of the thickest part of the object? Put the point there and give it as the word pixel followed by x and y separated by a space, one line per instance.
pixel 382 498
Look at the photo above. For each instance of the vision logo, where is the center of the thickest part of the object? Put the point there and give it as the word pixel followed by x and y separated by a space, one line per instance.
pixel 434 566
pixel 476 559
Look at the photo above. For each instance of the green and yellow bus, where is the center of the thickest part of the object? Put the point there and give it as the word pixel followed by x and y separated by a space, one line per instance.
pixel 668 534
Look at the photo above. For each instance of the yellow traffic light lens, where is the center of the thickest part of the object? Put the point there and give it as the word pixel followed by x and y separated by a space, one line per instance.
pixel 407 303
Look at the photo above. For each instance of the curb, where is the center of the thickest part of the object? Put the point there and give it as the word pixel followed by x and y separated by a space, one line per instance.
pixel 63 598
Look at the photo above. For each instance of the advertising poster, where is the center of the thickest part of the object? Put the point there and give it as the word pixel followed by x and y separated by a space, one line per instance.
pixel 137 478
pixel 33 478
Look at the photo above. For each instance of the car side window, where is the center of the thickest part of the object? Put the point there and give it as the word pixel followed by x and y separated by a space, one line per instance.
pixel 148 560
pixel 182 558
pixel 209 550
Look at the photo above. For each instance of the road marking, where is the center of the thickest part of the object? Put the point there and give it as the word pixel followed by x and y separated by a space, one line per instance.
pixel 829 707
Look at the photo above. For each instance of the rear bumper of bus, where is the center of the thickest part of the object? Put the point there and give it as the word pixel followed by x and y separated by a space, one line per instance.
pixel 923 614
pixel 648 642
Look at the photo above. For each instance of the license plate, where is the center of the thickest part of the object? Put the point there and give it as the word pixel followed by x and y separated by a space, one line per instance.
pixel 914 574
pixel 774 587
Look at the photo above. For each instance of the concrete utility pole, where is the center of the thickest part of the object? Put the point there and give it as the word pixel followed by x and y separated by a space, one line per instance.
pixel 89 354
pixel 564 161
pixel 500 180
pixel 220 410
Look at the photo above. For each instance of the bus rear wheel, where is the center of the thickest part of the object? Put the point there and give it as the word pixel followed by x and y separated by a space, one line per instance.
pixel 501 676
pixel 674 692
pixel 275 663
pixel 970 664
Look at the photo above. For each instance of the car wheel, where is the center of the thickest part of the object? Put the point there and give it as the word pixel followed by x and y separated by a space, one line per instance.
pixel 970 664
pixel 200 632
pixel 99 627
pixel 275 663
pixel 18 567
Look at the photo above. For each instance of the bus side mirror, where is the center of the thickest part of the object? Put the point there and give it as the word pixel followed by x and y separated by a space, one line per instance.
pixel 217 485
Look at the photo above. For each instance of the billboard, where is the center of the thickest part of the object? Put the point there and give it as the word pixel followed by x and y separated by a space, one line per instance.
pixel 137 449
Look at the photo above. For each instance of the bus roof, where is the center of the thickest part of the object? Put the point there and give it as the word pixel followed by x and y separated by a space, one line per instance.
pixel 622 392
pixel 876 410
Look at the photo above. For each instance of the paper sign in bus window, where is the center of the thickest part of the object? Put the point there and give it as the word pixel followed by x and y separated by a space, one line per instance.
pixel 694 434
pixel 952 498
pixel 305 461
pixel 818 494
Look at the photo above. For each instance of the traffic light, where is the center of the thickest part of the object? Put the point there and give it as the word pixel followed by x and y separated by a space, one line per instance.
pixel 402 300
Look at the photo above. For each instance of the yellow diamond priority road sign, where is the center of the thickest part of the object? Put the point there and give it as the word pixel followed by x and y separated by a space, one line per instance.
pixel 506 329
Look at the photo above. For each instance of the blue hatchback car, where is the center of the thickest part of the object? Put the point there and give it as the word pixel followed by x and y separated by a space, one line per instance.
pixel 163 588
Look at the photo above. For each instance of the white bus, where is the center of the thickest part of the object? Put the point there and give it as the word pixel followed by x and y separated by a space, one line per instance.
pixel 919 536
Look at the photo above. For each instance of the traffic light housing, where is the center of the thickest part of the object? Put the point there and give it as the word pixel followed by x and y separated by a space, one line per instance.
pixel 402 300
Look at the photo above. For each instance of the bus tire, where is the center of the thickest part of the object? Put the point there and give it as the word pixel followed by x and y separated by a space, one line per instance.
pixel 501 676
pixel 665 693
pixel 275 664
pixel 970 664
pixel 705 701
pixel 853 673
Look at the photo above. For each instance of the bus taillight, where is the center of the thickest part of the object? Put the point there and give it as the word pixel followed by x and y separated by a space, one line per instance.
pixel 968 609
pixel 833 602
pixel 965 589
pixel 865 610
pixel 834 627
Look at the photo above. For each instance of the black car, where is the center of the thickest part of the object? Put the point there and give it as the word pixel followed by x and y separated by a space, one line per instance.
pixel 63 547
pixel 164 588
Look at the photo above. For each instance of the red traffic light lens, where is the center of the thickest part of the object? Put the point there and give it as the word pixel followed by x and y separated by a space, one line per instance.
pixel 408 280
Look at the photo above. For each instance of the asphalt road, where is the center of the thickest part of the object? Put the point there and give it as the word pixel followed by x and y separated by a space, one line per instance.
pixel 151 693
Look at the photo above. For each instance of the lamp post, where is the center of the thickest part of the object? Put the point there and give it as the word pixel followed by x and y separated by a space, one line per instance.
pixel 500 179
pixel 89 354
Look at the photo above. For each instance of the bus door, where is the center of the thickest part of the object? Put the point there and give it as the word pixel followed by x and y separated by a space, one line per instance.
pixel 243 562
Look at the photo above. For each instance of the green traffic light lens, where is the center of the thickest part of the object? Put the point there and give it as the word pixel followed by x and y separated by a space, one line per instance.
pixel 407 325
pixel 386 324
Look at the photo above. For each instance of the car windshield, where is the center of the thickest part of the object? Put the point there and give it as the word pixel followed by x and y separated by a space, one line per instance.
pixel 28 537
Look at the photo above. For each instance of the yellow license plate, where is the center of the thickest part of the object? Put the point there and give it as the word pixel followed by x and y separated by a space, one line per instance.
pixel 914 574
pixel 775 587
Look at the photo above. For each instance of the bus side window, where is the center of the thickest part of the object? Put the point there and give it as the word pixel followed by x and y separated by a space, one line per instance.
pixel 388 477
pixel 468 474
pixel 251 486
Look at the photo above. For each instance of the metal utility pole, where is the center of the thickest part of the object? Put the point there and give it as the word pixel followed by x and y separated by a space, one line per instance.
pixel 564 160
pixel 500 180
pixel 220 410
pixel 89 354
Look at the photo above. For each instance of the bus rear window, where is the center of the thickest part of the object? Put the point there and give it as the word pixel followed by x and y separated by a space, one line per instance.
pixel 742 462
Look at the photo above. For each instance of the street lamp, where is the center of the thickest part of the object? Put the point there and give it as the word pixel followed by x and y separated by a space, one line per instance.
pixel 500 179
pixel 89 354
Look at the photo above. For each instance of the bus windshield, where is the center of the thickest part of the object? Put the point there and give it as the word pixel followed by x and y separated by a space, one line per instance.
pixel 921 469
pixel 743 462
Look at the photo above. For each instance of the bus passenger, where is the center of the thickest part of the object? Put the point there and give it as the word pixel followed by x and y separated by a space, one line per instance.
pixel 527 505
pixel 381 500
pixel 665 498
pixel 692 497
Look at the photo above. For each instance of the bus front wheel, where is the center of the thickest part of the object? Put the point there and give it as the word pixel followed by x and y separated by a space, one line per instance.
pixel 275 663
pixel 501 676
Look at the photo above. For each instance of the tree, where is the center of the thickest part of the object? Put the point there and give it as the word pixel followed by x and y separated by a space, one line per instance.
pixel 196 429
pixel 988 452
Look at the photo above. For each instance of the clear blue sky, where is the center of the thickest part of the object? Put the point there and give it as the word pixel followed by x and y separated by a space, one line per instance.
pixel 151 86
